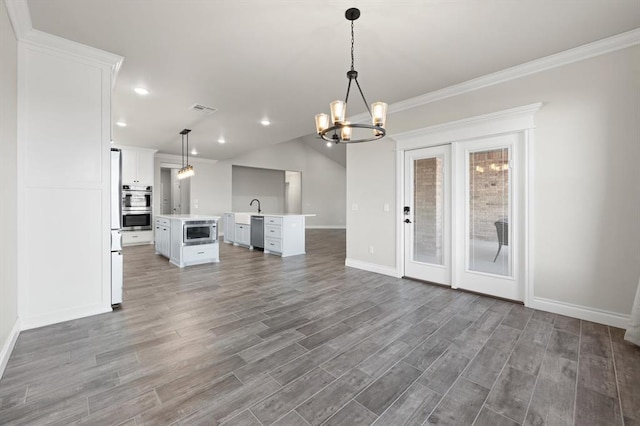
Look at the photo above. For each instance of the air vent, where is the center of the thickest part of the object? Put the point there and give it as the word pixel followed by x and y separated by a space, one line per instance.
pixel 203 108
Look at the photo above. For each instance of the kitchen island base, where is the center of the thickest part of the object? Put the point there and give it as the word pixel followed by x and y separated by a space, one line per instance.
pixel 188 239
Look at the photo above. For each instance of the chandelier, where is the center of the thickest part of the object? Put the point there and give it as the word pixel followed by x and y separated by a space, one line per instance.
pixel 338 130
pixel 186 170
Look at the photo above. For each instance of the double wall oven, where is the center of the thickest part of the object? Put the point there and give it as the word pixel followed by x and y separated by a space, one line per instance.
pixel 137 207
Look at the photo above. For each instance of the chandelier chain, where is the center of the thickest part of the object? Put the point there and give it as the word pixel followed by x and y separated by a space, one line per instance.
pixel 352 43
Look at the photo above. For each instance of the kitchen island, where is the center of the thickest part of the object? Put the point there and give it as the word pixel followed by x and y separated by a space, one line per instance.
pixel 283 234
pixel 187 239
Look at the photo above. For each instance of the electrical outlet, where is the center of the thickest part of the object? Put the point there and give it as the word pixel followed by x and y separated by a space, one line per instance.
pixel 386 207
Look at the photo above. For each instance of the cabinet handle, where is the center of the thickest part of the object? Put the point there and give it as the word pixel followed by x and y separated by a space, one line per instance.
pixel 200 252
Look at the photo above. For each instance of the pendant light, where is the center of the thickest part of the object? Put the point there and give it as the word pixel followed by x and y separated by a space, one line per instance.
pixel 187 170
pixel 338 130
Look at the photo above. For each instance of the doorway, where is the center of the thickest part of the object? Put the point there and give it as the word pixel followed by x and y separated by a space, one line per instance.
pixel 176 193
pixel 463 215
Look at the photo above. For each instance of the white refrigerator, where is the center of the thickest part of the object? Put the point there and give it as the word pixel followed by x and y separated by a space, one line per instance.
pixel 116 228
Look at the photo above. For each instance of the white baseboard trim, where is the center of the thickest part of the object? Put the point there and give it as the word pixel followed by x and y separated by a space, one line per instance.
pixel 8 346
pixel 62 316
pixel 327 227
pixel 372 267
pixel 582 312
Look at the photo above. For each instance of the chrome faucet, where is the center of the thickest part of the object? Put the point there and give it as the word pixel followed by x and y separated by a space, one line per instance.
pixel 251 203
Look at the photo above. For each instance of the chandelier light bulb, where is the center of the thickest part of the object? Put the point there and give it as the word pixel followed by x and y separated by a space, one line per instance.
pixel 322 122
pixel 338 111
pixel 345 132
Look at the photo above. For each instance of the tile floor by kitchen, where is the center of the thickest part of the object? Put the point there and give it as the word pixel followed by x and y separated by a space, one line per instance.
pixel 257 339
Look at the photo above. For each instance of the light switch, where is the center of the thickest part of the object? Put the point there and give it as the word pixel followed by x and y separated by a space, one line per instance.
pixel 354 207
pixel 386 207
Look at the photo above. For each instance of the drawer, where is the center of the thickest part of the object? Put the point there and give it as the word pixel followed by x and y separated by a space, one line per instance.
pixel 272 220
pixel 272 231
pixel 162 221
pixel 198 253
pixel 273 244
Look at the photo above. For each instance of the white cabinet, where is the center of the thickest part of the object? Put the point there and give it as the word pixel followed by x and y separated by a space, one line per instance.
pixel 229 227
pixel 284 235
pixel 132 238
pixel 242 235
pixel 163 237
pixel 137 166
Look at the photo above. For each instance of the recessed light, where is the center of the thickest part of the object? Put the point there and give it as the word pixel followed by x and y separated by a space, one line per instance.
pixel 141 91
pixel 121 124
pixel 328 144
pixel 194 152
pixel 221 140
pixel 265 122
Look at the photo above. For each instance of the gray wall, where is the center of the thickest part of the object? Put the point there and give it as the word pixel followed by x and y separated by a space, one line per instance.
pixel 8 186
pixel 266 185
pixel 586 180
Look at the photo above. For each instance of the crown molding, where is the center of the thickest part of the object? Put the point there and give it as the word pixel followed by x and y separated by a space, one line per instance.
pixel 20 18
pixel 597 48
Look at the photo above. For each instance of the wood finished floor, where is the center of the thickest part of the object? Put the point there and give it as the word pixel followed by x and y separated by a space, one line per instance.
pixel 257 339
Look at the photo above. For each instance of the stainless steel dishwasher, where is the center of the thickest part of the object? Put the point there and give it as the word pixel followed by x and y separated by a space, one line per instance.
pixel 257 232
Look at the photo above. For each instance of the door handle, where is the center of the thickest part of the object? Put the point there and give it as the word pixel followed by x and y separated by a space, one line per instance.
pixel 407 221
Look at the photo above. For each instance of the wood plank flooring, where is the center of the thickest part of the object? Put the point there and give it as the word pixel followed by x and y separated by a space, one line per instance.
pixel 260 340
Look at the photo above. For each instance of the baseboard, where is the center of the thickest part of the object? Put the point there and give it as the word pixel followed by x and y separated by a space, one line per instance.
pixel 62 316
pixel 582 312
pixel 372 267
pixel 326 227
pixel 8 346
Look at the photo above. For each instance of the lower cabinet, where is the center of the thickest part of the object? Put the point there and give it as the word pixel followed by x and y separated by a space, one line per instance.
pixel 163 237
pixel 132 238
pixel 284 236
pixel 242 235
pixel 229 225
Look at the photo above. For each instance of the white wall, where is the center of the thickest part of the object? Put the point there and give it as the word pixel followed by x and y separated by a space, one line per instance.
pixel 323 181
pixel 586 179
pixel 8 188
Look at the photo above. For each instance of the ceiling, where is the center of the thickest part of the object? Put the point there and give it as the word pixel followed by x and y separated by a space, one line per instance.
pixel 285 60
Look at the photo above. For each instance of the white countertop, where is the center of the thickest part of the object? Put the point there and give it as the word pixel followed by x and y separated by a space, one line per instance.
pixel 274 214
pixel 188 216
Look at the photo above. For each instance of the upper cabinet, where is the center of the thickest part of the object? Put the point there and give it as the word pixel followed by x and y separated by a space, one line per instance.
pixel 137 166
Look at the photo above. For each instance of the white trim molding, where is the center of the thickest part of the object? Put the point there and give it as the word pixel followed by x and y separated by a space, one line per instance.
pixel 582 312
pixel 9 344
pixel 372 267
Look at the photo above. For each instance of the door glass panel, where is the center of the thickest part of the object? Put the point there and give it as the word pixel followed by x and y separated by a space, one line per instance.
pixel 489 212
pixel 428 216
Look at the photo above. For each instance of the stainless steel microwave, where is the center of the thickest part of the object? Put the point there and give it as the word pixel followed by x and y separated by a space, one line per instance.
pixel 200 232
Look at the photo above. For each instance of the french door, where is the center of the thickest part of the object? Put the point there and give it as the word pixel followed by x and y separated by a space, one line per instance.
pixel 463 215
pixel 427 214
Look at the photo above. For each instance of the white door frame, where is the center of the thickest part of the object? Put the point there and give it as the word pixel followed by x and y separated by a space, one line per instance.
pixel 515 120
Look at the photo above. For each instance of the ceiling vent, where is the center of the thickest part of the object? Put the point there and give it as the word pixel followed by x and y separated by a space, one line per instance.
pixel 203 108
